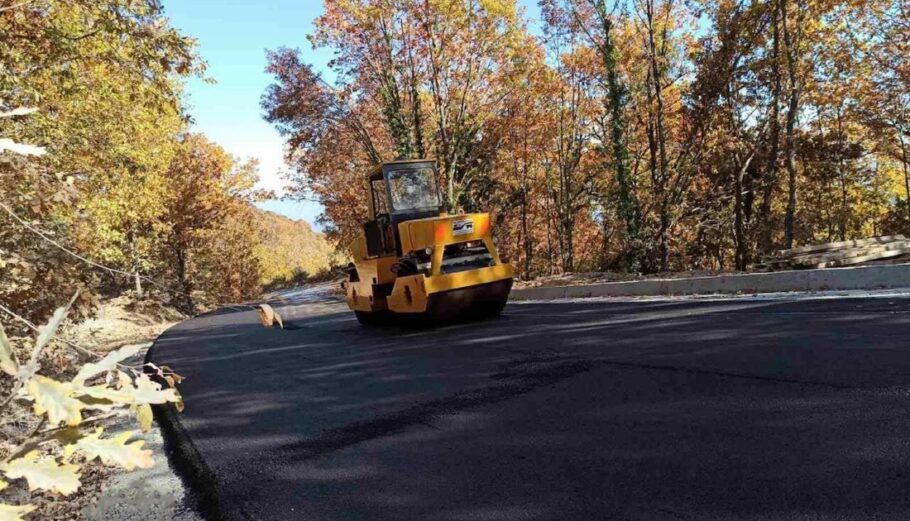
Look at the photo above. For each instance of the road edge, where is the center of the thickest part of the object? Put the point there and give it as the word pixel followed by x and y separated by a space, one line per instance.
pixel 184 458
pixel 802 281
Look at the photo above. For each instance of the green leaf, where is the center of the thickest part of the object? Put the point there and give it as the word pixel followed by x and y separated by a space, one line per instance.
pixel 55 399
pixel 144 416
pixel 14 512
pixel 45 334
pixel 108 363
pixel 44 473
pixel 47 331
pixel 103 392
pixel 147 391
pixel 113 451
pixel 8 362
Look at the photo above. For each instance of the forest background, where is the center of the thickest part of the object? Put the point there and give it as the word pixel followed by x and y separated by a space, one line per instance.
pixel 636 135
pixel 624 135
pixel 118 185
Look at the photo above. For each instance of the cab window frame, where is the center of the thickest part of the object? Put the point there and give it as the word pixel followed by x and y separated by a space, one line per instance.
pixel 397 169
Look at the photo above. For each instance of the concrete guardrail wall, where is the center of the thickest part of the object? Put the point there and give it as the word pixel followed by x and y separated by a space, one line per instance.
pixel 859 278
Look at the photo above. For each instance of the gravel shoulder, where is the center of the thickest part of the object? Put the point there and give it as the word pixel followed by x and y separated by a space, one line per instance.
pixel 143 494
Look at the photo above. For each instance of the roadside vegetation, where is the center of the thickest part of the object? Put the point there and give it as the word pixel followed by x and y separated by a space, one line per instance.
pixel 637 136
pixel 123 192
pixel 115 221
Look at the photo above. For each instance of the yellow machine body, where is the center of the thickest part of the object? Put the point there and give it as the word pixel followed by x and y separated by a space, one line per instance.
pixel 415 259
pixel 415 293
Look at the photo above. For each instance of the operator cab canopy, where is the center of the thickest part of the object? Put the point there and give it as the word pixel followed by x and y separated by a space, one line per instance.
pixel 404 191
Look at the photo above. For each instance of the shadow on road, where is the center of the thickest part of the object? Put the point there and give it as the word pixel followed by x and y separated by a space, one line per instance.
pixel 658 410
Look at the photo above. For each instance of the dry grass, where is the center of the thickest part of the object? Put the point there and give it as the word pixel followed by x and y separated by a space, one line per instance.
pixel 122 321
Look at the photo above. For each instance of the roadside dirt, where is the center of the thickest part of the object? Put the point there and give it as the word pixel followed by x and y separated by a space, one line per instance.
pixel 122 321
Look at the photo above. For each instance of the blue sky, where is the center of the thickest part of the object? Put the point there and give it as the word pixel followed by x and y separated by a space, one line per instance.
pixel 233 36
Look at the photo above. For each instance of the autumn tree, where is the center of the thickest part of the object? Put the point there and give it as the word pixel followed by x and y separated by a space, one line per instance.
pixel 575 96
pixel 206 188
pixel 122 194
pixel 414 78
pixel 104 76
pixel 603 37
pixel 676 135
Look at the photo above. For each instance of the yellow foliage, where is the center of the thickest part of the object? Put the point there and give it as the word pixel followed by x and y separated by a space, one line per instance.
pixel 144 416
pixel 289 249
pixel 113 451
pixel 44 473
pixel 56 399
pixel 14 512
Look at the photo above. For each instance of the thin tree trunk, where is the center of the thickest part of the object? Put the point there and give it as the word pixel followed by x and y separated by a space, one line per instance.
pixel 549 214
pixel 905 162
pixel 842 175
pixel 566 219
pixel 764 211
pixel 742 251
pixel 526 231
pixel 526 234
pixel 182 278
pixel 139 293
pixel 660 137
pixel 629 208
pixel 792 113
pixel 568 255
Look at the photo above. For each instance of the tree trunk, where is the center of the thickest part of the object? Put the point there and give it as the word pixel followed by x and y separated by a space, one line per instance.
pixel 139 293
pixel 764 212
pixel 905 162
pixel 792 113
pixel 660 136
pixel 392 108
pixel 739 229
pixel 549 216
pixel 628 206
pixel 568 245
pixel 842 175
pixel 526 231
pixel 186 289
pixel 528 244
pixel 452 203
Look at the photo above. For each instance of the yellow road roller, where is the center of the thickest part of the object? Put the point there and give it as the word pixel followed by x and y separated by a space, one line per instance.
pixel 415 260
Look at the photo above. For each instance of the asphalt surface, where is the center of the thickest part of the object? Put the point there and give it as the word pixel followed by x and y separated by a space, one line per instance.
pixel 728 410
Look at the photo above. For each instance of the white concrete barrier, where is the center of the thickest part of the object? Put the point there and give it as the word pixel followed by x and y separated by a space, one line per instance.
pixel 831 279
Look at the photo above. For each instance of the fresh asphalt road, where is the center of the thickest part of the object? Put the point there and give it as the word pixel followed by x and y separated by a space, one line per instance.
pixel 741 409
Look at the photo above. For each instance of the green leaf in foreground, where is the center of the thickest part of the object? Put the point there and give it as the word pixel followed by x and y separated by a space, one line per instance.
pixel 55 399
pixel 44 473
pixel 8 362
pixel 113 451
pixel 108 363
pixel 14 512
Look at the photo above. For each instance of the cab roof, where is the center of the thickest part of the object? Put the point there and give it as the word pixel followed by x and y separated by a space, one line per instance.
pixel 376 170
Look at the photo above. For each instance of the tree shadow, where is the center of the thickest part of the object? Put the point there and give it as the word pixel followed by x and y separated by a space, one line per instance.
pixel 706 410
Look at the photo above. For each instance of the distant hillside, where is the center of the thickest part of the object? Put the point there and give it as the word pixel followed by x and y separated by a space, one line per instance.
pixel 290 250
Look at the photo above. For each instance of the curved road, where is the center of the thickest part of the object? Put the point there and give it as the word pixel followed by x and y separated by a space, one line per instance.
pixel 741 409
